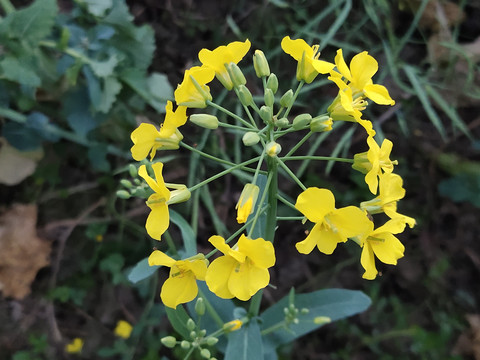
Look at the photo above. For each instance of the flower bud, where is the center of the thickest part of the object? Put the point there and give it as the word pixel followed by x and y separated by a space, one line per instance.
pixel 169 341
pixel 236 75
pixel 281 123
pixel 123 194
pixel 260 64
pixel 193 334
pixel 246 202
pixel 266 113
pixel 232 325
pixel 269 98
pixel 320 320
pixel 245 96
pixel 179 195
pixel 212 340
pixel 185 345
pixel 273 149
pixel 361 162
pixel 301 121
pixel 304 311
pixel 200 306
pixel 190 324
pixel 250 138
pixel 205 353
pixel 286 99
pixel 132 169
pixel 272 82
pixel 202 333
pixel 205 120
pixel 321 123
pixel 126 183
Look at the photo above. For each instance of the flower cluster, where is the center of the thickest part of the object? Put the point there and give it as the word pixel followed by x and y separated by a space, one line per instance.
pixel 243 269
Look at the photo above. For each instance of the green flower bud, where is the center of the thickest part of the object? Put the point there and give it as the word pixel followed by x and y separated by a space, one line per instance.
pixel 301 121
pixel 202 333
pixel 320 320
pixel 250 138
pixel 281 123
pixel 191 324
pixel 266 113
pixel 205 353
pixel 185 345
pixel 286 99
pixel 269 98
pixel 132 170
pixel 205 120
pixel 236 75
pixel 123 194
pixel 169 341
pixel 245 96
pixel 273 149
pixel 137 182
pixel 321 123
pixel 126 183
pixel 179 195
pixel 304 311
pixel 200 306
pixel 193 334
pixel 211 340
pixel 260 64
pixel 272 82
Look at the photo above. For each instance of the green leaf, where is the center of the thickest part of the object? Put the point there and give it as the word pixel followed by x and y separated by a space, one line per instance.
pixel 98 7
pixel 76 106
pixel 104 68
pixel 19 71
pixel 21 137
pixel 245 343
pixel 463 187
pixel 331 303
pixel 159 87
pixel 178 318
pixel 32 23
pixel 142 271
pixel 259 230
pixel 188 235
pixel 111 88
pixel 97 154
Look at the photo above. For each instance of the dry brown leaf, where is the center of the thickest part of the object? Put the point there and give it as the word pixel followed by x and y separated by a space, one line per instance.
pixel 16 165
pixel 469 342
pixel 22 252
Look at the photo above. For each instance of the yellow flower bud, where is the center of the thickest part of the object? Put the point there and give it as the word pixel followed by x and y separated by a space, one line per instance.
pixel 260 64
pixel 250 138
pixel 205 120
pixel 273 149
pixel 75 346
pixel 321 124
pixel 246 202
pixel 180 195
pixel 123 329
pixel 301 121
pixel 232 325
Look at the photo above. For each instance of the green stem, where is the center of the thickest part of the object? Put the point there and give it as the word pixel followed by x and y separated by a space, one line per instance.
pixel 225 172
pixel 257 170
pixel 291 174
pixel 300 143
pixel 7 6
pixel 279 325
pixel 299 87
pixel 258 212
pixel 286 202
pixel 236 127
pixel 310 157
pixel 290 217
pixel 228 112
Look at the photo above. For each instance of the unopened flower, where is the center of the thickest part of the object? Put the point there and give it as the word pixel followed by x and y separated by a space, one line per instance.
pixel 309 64
pixel 193 91
pixel 233 325
pixel 147 139
pixel 181 286
pixel 217 58
pixel 332 225
pixel 123 329
pixel 246 202
pixel 242 270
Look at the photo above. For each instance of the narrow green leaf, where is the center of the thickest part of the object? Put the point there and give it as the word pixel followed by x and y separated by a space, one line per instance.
pixel 178 318
pixel 245 343
pixel 142 271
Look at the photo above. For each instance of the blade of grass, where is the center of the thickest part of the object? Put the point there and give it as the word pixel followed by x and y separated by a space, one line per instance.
pixel 342 143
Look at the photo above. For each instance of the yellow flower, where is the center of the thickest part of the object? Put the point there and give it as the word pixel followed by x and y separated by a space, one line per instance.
pixel 243 270
pixel 147 139
pixel 216 59
pixel 75 346
pixel 309 66
pixel 390 192
pixel 246 203
pixel 159 218
pixel 332 226
pixel 374 161
pixel 383 244
pixel 123 329
pixel 181 286
pixel 359 77
pixel 193 91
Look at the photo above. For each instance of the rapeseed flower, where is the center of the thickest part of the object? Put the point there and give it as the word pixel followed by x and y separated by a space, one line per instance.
pixel 193 91
pixel 332 225
pixel 242 270
pixel 181 286
pixel 246 202
pixel 75 346
pixel 123 329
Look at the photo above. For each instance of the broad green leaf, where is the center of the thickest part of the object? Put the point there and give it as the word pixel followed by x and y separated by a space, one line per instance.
pixel 19 70
pixel 21 137
pixel 97 154
pixel 111 88
pixel 188 236
pixel 142 271
pixel 159 86
pixel 463 187
pixel 41 124
pixel 98 7
pixel 178 318
pixel 334 304
pixel 104 68
pixel 245 343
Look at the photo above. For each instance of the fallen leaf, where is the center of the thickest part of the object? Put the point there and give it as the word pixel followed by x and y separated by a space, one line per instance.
pixel 22 253
pixel 16 165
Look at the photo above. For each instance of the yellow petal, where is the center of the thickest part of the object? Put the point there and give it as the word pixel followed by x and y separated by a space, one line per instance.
pixel 323 67
pixel 219 243
pixel 143 138
pixel 160 259
pixel 389 250
pixel 315 203
pixel 378 94
pixel 391 188
pixel 157 185
pixel 218 274
pixel 368 263
pixel 363 67
pixel 259 251
pixel 173 119
pixel 349 221
pixel 157 221
pixel 306 246
pixel 342 65
pixel 246 280
pixel 296 48
pixel 179 290
pixel 198 267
